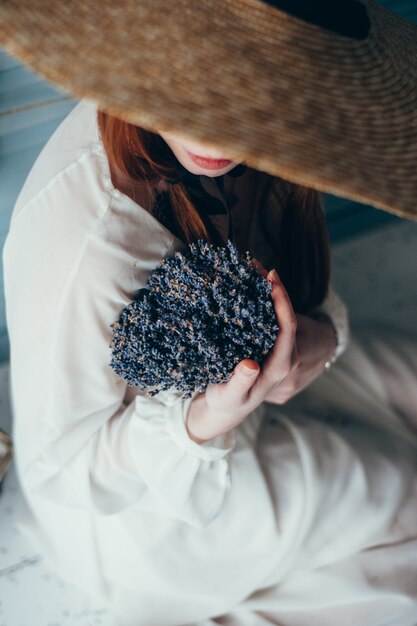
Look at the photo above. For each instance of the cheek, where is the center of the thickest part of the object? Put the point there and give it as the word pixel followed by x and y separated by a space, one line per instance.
pixel 180 146
pixel 170 141
pixel 193 148
pixel 176 148
pixel 178 143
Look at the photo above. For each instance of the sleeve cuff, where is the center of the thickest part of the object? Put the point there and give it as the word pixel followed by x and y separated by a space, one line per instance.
pixel 335 308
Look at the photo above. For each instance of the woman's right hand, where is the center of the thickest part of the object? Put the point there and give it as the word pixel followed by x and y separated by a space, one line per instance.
pixel 224 405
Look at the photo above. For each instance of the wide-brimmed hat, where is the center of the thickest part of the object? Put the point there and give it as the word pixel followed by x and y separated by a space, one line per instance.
pixel 319 92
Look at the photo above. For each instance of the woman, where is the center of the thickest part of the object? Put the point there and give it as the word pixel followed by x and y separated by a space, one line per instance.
pixel 253 503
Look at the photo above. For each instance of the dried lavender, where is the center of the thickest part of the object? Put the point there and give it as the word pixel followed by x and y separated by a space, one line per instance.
pixel 201 313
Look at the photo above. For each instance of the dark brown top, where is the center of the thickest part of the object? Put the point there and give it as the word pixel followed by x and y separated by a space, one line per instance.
pixel 240 205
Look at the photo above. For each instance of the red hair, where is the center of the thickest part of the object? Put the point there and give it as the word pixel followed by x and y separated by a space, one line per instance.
pixel 303 241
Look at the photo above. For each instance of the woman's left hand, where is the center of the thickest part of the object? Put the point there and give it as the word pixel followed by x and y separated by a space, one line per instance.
pixel 315 343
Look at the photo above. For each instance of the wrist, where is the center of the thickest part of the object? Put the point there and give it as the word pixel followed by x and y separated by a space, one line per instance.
pixel 195 411
pixel 199 423
pixel 203 423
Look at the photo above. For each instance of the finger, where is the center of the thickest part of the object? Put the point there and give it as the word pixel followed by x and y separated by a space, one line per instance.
pixel 258 265
pixel 295 359
pixel 235 391
pixel 282 387
pixel 278 364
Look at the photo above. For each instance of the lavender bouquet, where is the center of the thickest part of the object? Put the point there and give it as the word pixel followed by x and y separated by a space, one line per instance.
pixel 201 313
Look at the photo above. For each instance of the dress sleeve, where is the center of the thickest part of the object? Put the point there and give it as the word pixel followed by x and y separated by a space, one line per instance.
pixel 80 441
pixel 141 457
pixel 336 309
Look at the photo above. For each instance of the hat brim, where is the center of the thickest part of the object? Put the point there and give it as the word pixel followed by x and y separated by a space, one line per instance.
pixel 285 96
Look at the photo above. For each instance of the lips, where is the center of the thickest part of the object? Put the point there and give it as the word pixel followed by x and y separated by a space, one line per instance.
pixel 209 163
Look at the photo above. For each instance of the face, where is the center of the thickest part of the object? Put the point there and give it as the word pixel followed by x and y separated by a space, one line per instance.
pixel 197 159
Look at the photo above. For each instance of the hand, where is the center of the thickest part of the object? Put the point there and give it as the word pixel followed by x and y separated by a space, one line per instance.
pixel 224 405
pixel 316 342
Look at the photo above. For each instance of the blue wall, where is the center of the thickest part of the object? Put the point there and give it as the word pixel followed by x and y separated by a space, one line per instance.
pixel 30 111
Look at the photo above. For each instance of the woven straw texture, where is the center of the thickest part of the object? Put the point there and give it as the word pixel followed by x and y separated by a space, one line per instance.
pixel 285 96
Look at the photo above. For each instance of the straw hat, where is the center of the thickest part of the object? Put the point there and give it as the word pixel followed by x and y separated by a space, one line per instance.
pixel 319 92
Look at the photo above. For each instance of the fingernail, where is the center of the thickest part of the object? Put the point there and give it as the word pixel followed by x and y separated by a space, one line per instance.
pixel 273 276
pixel 248 371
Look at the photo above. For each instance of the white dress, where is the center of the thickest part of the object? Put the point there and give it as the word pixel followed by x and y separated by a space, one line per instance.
pixel 305 514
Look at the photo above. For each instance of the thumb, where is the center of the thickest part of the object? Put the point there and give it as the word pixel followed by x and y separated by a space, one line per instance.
pixel 244 376
pixel 247 367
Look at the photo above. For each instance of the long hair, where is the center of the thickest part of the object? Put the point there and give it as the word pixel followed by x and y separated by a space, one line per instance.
pixel 145 158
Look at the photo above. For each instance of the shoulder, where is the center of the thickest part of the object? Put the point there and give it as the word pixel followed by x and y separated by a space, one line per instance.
pixel 68 165
pixel 69 220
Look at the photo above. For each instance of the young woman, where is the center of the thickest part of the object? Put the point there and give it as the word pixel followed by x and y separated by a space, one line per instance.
pixel 285 496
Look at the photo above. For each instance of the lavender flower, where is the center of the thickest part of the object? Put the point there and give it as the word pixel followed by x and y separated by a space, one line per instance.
pixel 201 313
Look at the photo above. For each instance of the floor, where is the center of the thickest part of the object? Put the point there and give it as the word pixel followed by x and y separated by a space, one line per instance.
pixel 375 276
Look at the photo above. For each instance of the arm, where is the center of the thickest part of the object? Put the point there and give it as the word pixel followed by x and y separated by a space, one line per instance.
pixel 316 347
pixel 80 442
pixel 332 305
pixel 142 457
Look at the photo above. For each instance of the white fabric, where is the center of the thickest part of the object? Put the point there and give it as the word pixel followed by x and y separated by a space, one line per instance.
pixel 336 309
pixel 272 522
